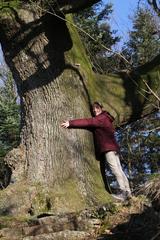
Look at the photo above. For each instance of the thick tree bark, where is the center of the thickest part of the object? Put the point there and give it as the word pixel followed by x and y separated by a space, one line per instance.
pixel 51 89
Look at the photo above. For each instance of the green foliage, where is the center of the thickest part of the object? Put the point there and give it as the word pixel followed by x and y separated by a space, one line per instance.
pixel 9 121
pixel 10 3
pixel 9 109
pixel 95 22
pixel 140 148
pixel 144 42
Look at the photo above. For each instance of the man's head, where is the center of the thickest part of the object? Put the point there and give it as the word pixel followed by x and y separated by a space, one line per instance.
pixel 97 108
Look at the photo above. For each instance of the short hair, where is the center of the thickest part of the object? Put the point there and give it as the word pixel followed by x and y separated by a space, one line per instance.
pixel 97 103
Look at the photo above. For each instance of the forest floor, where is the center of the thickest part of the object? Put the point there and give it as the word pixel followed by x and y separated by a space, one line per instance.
pixel 132 220
pixel 135 220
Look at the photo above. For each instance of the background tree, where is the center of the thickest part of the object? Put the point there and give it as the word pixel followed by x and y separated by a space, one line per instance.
pixel 140 148
pixel 95 22
pixel 156 5
pixel 144 39
pixel 9 119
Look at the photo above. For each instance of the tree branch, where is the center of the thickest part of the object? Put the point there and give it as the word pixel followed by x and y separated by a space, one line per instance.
pixel 71 6
pixel 155 6
pixel 151 91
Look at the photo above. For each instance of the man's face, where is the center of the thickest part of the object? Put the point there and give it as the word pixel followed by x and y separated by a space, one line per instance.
pixel 97 109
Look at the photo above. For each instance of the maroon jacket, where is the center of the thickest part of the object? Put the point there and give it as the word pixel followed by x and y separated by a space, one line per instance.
pixel 103 131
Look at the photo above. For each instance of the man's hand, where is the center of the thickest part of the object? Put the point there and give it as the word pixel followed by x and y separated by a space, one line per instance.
pixel 65 124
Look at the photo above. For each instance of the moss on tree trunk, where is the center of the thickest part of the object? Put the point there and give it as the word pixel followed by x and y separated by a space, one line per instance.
pixel 41 55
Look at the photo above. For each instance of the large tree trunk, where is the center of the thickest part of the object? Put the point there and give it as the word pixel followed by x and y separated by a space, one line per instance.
pixel 51 89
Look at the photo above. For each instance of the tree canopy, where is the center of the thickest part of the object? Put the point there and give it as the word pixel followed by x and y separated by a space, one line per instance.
pixel 143 44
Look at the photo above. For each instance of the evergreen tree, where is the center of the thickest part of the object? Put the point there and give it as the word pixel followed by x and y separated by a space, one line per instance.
pixel 140 149
pixel 155 5
pixel 95 22
pixel 9 121
pixel 144 41
pixel 9 109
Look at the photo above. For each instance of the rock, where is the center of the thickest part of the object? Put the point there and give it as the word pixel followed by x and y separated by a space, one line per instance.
pixel 67 226
pixel 37 230
pixel 48 225
pixel 15 160
pixel 63 235
pixel 14 234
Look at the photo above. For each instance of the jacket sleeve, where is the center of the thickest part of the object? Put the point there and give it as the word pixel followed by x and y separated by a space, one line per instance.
pixel 85 123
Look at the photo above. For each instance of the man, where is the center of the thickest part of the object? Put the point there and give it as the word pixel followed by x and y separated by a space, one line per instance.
pixel 105 144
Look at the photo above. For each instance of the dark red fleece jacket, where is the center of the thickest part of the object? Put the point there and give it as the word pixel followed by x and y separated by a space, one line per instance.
pixel 103 131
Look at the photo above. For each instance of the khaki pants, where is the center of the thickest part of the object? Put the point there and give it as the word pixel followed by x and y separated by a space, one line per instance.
pixel 113 161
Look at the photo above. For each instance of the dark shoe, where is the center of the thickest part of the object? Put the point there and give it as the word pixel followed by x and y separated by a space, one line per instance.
pixel 120 197
pixel 128 195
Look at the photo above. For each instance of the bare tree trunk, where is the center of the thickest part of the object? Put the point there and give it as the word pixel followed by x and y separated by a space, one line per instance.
pixel 51 89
